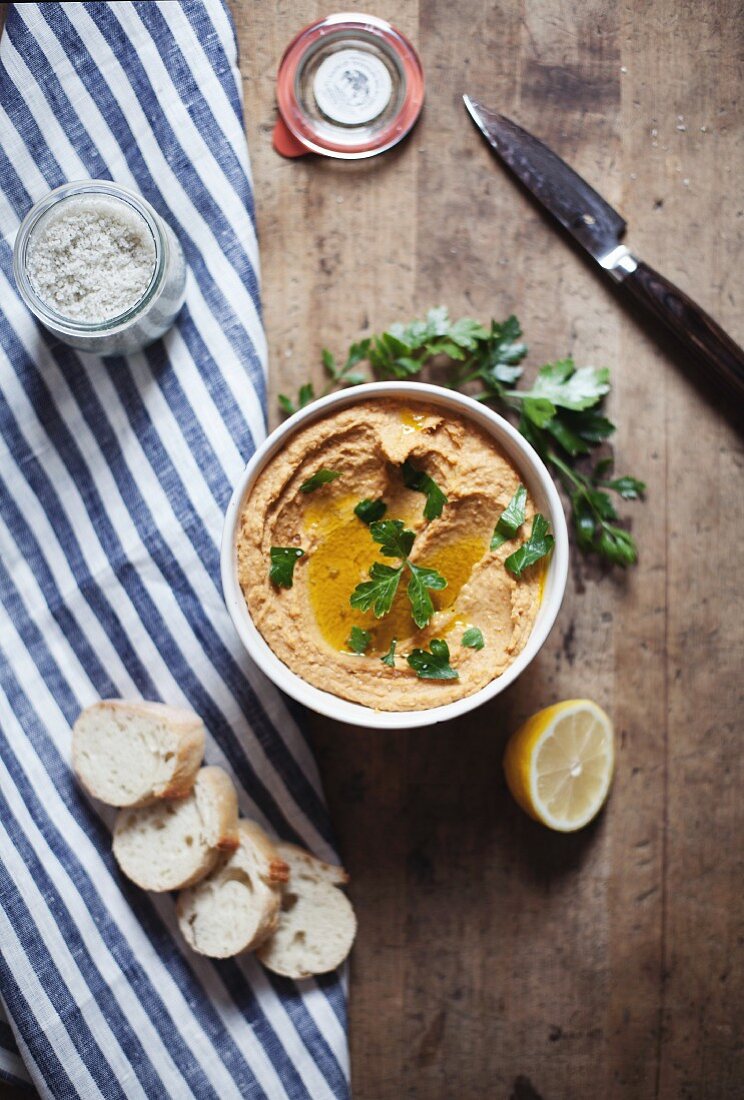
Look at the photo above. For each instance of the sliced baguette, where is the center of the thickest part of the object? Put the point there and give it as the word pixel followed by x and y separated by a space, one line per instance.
pixel 316 925
pixel 235 907
pixel 134 753
pixel 176 842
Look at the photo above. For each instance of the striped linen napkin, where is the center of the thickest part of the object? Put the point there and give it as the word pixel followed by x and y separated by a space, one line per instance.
pixel 114 476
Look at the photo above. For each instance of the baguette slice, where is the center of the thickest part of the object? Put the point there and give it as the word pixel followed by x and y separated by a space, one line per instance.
pixel 134 753
pixel 176 842
pixel 317 924
pixel 236 907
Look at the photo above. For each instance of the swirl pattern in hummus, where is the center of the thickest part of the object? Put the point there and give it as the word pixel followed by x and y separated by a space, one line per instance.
pixel 308 625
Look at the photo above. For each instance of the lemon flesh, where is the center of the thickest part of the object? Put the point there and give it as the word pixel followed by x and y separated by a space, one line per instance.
pixel 559 764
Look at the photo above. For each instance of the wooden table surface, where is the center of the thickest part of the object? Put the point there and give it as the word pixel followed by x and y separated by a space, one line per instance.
pixel 495 959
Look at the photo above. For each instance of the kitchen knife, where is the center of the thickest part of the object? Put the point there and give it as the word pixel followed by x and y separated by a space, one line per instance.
pixel 599 230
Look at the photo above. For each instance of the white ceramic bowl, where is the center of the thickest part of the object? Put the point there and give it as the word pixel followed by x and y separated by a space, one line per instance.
pixel 539 484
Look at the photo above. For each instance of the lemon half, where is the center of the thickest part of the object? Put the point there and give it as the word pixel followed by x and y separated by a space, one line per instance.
pixel 559 764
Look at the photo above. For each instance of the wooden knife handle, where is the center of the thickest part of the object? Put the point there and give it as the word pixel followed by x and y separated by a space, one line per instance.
pixel 713 347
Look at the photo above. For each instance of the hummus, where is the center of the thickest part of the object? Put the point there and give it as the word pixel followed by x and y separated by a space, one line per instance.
pixel 309 624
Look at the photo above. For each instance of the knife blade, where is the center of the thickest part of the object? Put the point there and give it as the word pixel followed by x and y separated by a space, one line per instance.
pixel 599 229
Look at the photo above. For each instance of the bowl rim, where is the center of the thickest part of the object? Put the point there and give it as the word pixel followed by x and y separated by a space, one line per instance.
pixel 529 465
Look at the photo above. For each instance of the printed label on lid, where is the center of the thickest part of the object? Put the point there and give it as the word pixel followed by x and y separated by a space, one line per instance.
pixel 352 87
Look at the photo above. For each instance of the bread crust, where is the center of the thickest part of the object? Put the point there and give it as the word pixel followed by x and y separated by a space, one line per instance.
pixel 312 888
pixel 188 754
pixel 256 858
pixel 217 801
pixel 271 866
pixel 330 872
pixel 215 808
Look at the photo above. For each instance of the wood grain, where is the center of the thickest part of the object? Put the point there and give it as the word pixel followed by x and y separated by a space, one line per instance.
pixel 495 959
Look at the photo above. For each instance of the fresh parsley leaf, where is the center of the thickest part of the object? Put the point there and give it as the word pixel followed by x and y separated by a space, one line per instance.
pixel 494 360
pixel 589 424
pixel 572 443
pixel 602 503
pixel 422 579
pixel 433 664
pixel 304 397
pixel 473 638
pixel 283 561
pixel 629 488
pixel 394 539
pixel 537 546
pixel 322 477
pixel 422 483
pixel 585 520
pixel 466 333
pixel 594 512
pixel 505 347
pixel 510 520
pixel 341 375
pixel 389 658
pixel 358 640
pixel 539 410
pixel 565 386
pixel 379 592
pixel 369 511
pixel 618 545
pixel 396 542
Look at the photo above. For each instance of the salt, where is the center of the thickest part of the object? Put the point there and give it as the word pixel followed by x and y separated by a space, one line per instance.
pixel 91 258
pixel 99 267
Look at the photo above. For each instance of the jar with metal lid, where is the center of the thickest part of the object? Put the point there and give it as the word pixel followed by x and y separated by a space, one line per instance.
pixel 99 267
pixel 349 86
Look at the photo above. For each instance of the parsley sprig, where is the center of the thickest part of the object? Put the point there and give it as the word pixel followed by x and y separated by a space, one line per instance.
pixel 422 483
pixel 323 476
pixel 560 413
pixel 378 593
pixel 359 640
pixel 510 520
pixel 473 638
pixel 283 560
pixel 537 546
pixel 434 663
pixel 370 510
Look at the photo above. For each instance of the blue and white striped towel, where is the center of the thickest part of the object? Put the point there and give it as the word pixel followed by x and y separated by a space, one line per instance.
pixel 114 475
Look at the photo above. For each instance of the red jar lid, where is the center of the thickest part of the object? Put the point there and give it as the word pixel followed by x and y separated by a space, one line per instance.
pixel 349 86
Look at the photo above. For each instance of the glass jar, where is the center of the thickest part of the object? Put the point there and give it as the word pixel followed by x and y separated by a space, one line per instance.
pixel 149 315
pixel 349 86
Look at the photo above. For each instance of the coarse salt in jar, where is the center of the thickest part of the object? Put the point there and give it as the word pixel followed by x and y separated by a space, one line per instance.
pixel 99 267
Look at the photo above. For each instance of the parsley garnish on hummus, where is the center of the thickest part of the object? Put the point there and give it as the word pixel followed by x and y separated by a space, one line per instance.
pixel 511 519
pixel 421 581
pixel 283 561
pixel 394 538
pixel 358 640
pixel 322 477
pixel 378 593
pixel 473 638
pixel 434 663
pixel 389 658
pixel 422 483
pixel 369 511
pixel 537 546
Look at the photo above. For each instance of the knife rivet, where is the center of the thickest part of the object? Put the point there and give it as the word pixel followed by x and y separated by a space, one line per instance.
pixel 588 219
